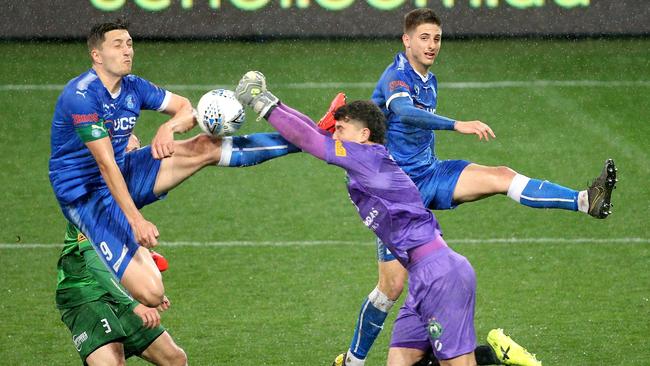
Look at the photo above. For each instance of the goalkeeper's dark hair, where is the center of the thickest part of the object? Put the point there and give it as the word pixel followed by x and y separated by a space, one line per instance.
pixel 416 17
pixel 367 113
pixel 97 33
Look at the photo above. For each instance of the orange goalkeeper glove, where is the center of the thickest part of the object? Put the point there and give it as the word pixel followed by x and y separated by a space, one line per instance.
pixel 327 122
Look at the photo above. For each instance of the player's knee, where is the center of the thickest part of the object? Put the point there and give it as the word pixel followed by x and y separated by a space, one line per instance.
pixel 501 178
pixel 151 296
pixel 392 287
pixel 151 300
pixel 503 172
pixel 178 357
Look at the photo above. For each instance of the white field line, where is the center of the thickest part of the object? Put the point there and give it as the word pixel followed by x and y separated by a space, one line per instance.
pixel 368 242
pixel 370 85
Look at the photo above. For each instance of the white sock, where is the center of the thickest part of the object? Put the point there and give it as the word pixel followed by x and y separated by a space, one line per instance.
pixel 519 182
pixel 226 151
pixel 350 360
pixel 380 300
pixel 583 201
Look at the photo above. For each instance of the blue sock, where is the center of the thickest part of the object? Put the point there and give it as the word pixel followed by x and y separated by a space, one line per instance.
pixel 542 194
pixel 247 150
pixel 370 323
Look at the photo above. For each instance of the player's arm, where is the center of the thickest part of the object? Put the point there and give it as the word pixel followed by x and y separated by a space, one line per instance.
pixel 301 132
pixel 182 120
pixel 145 232
pixel 85 115
pixel 411 115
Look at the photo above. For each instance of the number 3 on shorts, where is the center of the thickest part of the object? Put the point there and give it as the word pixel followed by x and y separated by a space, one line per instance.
pixel 106 325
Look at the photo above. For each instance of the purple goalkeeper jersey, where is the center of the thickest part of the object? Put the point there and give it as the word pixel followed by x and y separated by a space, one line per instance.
pixel 387 200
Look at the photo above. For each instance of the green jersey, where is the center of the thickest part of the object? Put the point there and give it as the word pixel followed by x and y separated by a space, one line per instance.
pixel 82 277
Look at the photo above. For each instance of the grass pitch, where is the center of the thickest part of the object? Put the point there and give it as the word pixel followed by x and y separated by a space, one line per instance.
pixel 572 289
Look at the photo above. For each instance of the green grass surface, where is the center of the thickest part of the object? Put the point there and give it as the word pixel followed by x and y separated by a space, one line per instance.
pixel 572 303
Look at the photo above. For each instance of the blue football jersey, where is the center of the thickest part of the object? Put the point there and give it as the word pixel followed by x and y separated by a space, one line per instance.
pixel 86 111
pixel 411 147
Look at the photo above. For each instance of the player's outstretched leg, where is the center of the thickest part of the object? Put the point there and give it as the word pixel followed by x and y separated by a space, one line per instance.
pixel 595 200
pixel 599 192
pixel 248 150
pixel 508 351
pixel 251 91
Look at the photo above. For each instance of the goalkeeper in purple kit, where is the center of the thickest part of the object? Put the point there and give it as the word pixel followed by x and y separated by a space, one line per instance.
pixel 407 94
pixel 438 314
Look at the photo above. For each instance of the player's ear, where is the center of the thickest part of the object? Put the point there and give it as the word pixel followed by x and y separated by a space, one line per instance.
pixel 365 133
pixel 406 40
pixel 95 57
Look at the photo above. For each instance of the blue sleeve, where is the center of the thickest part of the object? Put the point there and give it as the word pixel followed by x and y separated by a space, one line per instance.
pixel 152 97
pixel 411 115
pixel 394 85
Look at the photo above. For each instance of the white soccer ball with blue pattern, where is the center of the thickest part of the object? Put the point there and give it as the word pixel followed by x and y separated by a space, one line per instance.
pixel 219 113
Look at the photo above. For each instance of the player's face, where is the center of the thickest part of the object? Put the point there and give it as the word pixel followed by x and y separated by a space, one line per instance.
pixel 350 130
pixel 115 55
pixel 422 46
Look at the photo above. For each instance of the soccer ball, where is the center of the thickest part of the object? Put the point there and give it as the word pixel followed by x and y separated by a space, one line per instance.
pixel 219 113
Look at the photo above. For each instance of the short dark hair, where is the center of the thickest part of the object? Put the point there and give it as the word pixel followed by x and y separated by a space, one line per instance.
pixel 414 18
pixel 367 113
pixel 97 32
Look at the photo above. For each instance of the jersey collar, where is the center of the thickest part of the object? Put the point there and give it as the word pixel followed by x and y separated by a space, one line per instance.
pixel 403 63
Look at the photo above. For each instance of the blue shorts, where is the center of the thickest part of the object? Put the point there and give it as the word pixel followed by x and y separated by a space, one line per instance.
pixel 438 313
pixel 101 219
pixel 437 183
pixel 436 186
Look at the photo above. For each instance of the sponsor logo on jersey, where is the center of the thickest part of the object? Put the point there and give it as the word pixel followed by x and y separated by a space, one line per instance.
pixel 369 221
pixel 339 149
pixel 78 340
pixel 397 84
pixel 81 237
pixel 85 118
pixel 123 124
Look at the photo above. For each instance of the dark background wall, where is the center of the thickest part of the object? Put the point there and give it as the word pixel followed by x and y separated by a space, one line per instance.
pixel 31 19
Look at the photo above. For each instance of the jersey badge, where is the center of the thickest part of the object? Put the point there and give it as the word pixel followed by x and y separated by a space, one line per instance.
pixel 130 101
pixel 339 149
pixel 81 237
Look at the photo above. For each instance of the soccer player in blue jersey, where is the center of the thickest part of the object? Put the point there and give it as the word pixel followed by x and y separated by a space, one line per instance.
pixel 438 314
pixel 99 187
pixel 407 95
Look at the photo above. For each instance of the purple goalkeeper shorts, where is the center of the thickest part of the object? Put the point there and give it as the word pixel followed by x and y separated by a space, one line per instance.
pixel 438 312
